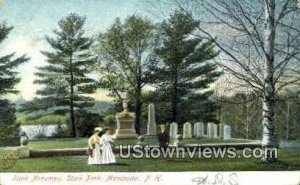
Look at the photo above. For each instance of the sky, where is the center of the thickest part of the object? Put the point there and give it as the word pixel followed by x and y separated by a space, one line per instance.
pixel 34 19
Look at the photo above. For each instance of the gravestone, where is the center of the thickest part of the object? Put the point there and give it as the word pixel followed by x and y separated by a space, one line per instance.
pixel 125 122
pixel 212 130
pixel 221 130
pixel 195 129
pixel 173 130
pixel 151 126
pixel 227 132
pixel 187 130
pixel 199 130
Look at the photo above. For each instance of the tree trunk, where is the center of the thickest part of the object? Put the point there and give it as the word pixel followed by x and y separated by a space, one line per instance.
pixel 138 93
pixel 268 135
pixel 138 111
pixel 174 97
pixel 72 115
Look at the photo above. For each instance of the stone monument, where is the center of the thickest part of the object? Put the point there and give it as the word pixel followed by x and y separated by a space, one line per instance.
pixel 125 122
pixel 195 128
pixel 212 130
pixel 221 129
pixel 227 132
pixel 199 129
pixel 187 130
pixel 173 131
pixel 151 126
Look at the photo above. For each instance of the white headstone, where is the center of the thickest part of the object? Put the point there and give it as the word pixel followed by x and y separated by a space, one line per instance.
pixel 173 130
pixel 221 130
pixel 187 130
pixel 151 126
pixel 227 132
pixel 195 129
pixel 199 129
pixel 212 130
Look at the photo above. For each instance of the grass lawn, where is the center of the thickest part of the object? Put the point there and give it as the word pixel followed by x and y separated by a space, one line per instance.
pixel 288 160
pixel 82 142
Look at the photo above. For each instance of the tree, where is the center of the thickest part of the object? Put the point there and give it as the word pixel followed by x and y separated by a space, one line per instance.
pixel 268 30
pixel 9 129
pixel 124 59
pixel 65 77
pixel 186 71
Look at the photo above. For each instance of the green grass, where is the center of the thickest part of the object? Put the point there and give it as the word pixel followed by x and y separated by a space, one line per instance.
pixel 82 142
pixel 288 160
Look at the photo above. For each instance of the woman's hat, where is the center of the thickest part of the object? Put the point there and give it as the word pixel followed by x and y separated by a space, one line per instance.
pixel 99 129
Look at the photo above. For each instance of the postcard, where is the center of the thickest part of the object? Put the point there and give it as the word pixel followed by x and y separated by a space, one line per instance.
pixel 195 92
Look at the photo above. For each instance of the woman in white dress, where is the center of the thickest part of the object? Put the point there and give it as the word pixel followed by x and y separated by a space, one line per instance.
pixel 106 141
pixel 94 142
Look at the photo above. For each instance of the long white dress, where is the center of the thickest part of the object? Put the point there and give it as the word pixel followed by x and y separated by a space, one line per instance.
pixel 96 156
pixel 107 156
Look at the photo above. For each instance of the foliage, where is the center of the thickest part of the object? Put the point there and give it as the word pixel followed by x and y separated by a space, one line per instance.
pixel 110 120
pixel 185 72
pixel 9 129
pixel 65 76
pixel 243 112
pixel 124 59
pixel 8 160
pixel 87 122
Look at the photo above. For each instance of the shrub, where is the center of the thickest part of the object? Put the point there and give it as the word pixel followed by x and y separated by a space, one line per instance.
pixel 9 129
pixel 86 123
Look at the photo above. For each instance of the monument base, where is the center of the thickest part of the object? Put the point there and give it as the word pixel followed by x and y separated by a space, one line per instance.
pixel 125 126
pixel 125 134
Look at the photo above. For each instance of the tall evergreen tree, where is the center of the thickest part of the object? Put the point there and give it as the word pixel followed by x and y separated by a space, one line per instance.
pixel 65 76
pixel 9 129
pixel 186 71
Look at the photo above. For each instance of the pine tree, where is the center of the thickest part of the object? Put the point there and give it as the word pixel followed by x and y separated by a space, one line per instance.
pixel 9 129
pixel 65 76
pixel 186 71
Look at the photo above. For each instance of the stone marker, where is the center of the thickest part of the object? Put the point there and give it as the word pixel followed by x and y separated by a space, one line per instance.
pixel 125 122
pixel 173 130
pixel 212 130
pixel 187 130
pixel 221 130
pixel 227 132
pixel 151 126
pixel 195 129
pixel 199 129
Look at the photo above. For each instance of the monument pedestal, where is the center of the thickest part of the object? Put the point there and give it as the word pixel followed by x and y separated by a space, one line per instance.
pixel 125 126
